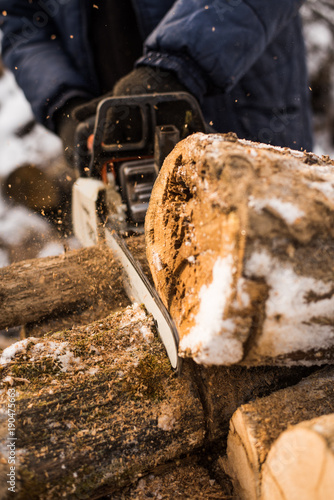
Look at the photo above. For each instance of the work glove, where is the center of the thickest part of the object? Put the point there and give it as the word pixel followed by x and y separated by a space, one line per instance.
pixel 142 80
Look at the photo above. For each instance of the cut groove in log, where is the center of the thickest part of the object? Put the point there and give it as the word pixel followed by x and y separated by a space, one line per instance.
pixel 265 448
pixel 240 242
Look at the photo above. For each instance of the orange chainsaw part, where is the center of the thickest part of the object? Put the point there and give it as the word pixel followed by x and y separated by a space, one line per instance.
pixel 90 142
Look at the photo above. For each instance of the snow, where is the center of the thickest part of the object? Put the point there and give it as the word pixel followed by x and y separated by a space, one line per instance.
pixel 212 339
pixel 38 147
pixel 242 295
pixel 157 261
pixel 319 37
pixel 16 224
pixel 93 371
pixel 289 324
pixel 59 352
pixel 147 333
pixel 16 113
pixel 132 314
pixel 4 258
pixel 327 188
pixel 288 211
pixel 10 352
pixel 166 421
pixel 56 350
pixel 51 249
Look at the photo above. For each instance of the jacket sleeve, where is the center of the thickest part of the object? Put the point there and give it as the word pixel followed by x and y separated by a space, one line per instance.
pixel 32 50
pixel 212 43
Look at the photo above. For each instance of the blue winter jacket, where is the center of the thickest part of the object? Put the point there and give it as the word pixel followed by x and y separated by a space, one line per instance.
pixel 243 59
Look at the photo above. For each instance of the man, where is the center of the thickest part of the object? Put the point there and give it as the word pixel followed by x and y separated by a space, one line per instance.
pixel 244 60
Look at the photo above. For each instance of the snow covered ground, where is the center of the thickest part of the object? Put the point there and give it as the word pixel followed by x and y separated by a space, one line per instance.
pixel 318 18
pixel 23 234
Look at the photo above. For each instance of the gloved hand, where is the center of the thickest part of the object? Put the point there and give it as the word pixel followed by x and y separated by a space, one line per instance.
pixel 147 80
pixel 142 80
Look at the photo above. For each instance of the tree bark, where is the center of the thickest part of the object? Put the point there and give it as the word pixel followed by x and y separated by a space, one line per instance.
pixel 40 288
pixel 240 243
pixel 97 407
pixel 281 446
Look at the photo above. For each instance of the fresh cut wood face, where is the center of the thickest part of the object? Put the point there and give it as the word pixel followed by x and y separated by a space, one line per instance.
pixel 240 242
pixel 281 447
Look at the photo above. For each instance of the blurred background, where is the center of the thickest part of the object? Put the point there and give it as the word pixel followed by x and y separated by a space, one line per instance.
pixel 30 232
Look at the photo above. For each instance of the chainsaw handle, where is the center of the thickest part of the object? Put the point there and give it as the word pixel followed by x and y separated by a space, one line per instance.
pixel 119 105
pixel 147 104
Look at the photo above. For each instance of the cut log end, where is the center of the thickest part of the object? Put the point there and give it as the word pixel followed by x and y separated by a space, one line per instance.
pixel 301 462
pixel 282 447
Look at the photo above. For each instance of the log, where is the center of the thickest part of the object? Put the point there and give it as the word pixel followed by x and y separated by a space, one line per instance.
pixel 98 407
pixel 281 446
pixel 240 242
pixel 40 288
pixel 307 471
pixel 224 388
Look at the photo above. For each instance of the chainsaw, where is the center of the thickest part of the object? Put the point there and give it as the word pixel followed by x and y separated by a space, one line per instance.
pixel 111 196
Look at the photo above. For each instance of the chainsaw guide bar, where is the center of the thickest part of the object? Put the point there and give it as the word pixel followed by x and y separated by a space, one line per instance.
pixel 140 290
pixel 111 195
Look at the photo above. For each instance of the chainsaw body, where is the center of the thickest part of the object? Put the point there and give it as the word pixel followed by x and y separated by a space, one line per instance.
pixel 127 168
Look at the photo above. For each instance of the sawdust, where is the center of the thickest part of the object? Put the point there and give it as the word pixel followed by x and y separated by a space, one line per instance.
pixel 183 482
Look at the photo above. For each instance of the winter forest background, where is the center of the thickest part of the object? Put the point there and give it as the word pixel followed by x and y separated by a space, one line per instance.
pixel 24 234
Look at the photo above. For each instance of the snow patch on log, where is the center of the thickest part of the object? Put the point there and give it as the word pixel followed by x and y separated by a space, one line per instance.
pixel 212 339
pixel 288 211
pixel 157 261
pixel 58 351
pixel 325 188
pixel 19 347
pixel 132 314
pixel 299 310
pixel 147 333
